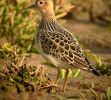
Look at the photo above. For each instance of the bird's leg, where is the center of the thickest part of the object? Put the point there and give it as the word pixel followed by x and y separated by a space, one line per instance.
pixel 66 77
pixel 57 75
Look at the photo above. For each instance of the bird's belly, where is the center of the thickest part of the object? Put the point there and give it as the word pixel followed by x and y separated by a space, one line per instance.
pixel 54 61
pixel 49 58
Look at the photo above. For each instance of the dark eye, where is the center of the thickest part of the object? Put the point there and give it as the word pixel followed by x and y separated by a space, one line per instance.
pixel 40 3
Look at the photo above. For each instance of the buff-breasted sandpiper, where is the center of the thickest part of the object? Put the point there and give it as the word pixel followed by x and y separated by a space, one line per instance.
pixel 56 44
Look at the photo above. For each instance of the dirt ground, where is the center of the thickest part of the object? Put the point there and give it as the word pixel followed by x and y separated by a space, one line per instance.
pixel 98 40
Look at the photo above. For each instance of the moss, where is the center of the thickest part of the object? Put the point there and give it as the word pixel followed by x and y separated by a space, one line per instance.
pixel 18 78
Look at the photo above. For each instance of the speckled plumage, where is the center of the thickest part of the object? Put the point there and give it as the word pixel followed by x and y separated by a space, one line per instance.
pixel 56 44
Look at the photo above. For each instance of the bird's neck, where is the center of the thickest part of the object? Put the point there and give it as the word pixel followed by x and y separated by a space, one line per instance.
pixel 47 22
pixel 48 18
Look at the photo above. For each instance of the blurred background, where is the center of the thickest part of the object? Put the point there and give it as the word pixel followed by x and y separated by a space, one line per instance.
pixel 89 20
pixel 18 26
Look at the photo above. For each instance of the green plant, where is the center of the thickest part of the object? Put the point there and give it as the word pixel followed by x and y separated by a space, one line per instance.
pixel 16 25
pixel 73 73
pixel 106 95
pixel 100 65
pixel 25 78
pixel 12 54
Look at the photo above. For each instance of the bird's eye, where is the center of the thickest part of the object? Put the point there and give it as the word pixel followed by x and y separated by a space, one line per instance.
pixel 40 3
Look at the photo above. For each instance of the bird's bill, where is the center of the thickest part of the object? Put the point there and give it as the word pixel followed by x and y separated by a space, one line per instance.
pixel 30 7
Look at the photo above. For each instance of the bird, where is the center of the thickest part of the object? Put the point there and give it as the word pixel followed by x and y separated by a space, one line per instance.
pixel 57 45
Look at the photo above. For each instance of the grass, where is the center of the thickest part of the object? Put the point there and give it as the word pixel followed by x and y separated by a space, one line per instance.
pixel 106 95
pixel 24 77
pixel 15 26
pixel 103 68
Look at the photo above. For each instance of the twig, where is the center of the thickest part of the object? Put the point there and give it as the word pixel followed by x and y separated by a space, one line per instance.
pixel 21 61
pixel 48 86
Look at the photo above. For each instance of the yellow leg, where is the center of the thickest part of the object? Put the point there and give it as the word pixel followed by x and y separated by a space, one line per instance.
pixel 57 75
pixel 66 77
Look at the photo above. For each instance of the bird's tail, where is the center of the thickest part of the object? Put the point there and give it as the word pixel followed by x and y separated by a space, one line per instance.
pixel 93 69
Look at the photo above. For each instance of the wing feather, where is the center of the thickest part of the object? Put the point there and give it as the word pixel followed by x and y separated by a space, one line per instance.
pixel 63 46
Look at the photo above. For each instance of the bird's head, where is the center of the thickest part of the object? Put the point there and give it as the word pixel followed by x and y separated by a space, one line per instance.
pixel 44 6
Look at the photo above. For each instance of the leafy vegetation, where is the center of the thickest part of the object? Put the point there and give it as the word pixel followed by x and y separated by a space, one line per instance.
pixel 25 77
pixel 15 26
pixel 106 95
pixel 12 53
pixel 105 69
